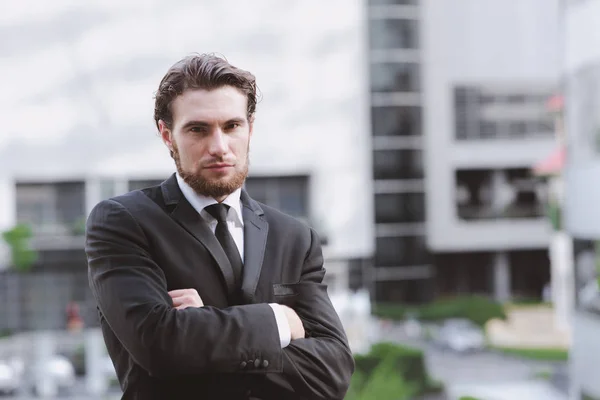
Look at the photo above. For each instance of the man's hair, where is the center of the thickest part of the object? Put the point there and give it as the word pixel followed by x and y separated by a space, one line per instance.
pixel 201 71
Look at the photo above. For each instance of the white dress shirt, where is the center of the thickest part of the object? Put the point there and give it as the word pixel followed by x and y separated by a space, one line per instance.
pixel 235 224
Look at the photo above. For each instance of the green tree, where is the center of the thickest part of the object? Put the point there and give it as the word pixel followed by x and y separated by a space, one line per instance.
pixel 22 256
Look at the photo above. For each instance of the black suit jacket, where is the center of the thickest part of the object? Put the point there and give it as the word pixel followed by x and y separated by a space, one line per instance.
pixel 145 243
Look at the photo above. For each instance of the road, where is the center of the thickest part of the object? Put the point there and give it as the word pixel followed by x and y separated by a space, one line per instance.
pixel 490 374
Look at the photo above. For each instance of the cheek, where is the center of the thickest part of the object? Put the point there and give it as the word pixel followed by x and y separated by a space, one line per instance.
pixel 240 148
pixel 191 152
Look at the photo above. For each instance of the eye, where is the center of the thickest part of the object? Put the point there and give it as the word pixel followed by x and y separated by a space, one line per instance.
pixel 232 126
pixel 196 129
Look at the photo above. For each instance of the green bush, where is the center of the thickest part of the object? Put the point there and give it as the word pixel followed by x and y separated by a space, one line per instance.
pixel 478 309
pixel 554 213
pixel 17 238
pixel 541 354
pixel 393 367
pixel 386 384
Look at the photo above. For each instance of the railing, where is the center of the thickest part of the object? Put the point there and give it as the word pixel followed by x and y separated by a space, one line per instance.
pixel 471 212
pixel 39 300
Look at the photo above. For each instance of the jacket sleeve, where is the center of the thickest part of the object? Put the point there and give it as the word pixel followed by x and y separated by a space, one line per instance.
pixel 319 366
pixel 131 292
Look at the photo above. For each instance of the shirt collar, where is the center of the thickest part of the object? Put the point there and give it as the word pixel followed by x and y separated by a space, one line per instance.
pixel 199 202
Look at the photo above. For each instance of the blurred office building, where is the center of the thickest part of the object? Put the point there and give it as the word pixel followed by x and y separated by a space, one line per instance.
pixel 582 178
pixel 404 131
pixel 81 128
pixel 458 117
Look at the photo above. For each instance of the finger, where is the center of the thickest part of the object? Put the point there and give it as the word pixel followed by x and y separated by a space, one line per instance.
pixel 178 292
pixel 182 307
pixel 178 301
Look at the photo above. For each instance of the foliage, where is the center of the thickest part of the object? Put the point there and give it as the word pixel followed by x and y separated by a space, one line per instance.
pixel 22 256
pixel 386 384
pixel 5 333
pixel 478 309
pixel 527 302
pixel 79 226
pixel 541 354
pixel 391 371
pixel 554 212
pixel 543 374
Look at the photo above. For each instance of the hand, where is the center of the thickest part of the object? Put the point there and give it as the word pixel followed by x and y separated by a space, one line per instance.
pixel 184 298
pixel 296 326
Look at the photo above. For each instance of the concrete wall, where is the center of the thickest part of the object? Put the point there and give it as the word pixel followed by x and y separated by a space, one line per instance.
pixel 582 176
pixel 80 95
pixel 481 42
pixel 585 352
pixel 582 51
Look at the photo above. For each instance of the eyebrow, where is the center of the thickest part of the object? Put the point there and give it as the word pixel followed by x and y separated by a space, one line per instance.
pixel 206 124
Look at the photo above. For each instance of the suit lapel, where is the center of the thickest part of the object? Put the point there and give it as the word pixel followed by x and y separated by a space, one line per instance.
pixel 255 242
pixel 192 222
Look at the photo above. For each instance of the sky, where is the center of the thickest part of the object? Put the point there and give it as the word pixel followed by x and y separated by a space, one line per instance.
pixel 80 76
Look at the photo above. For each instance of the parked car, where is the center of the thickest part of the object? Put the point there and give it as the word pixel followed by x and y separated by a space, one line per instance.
pixel 58 367
pixel 9 380
pixel 460 335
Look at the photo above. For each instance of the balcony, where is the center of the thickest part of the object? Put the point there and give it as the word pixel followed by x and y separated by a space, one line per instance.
pixel 499 194
pixel 55 212
pixel 513 211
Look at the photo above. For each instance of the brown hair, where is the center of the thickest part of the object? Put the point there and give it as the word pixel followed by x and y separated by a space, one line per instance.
pixel 201 71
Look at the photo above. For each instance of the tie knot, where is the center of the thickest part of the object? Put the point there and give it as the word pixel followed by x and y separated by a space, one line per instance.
pixel 218 211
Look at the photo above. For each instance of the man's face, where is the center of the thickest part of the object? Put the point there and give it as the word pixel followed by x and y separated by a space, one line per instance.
pixel 210 139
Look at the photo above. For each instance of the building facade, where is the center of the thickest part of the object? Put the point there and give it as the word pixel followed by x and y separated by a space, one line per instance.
pixel 581 46
pixel 458 113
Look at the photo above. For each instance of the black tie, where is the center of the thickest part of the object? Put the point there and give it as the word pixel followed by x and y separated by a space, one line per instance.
pixel 219 212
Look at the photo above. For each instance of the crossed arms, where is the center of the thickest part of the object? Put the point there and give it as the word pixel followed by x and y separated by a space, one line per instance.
pixel 131 291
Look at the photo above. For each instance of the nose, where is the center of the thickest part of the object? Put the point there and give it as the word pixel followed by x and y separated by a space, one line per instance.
pixel 218 146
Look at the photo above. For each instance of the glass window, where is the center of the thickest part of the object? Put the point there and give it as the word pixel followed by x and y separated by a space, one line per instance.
pixel 50 207
pixel 396 121
pixel 479 112
pixel 70 197
pixel 463 96
pixel 289 194
pixel 107 189
pixel 399 207
pixel 462 127
pixel 395 77
pixel 401 251
pixel 517 128
pixel 393 34
pixel 488 129
pixel 398 164
pixel 410 291
pixel 144 183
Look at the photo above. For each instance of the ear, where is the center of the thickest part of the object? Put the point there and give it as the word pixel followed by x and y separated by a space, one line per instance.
pixel 166 134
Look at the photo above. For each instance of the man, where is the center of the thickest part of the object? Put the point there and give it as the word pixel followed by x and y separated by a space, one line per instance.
pixel 204 293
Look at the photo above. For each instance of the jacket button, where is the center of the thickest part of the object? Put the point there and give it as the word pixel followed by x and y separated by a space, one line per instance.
pixel 256 363
pixel 243 365
pixel 265 363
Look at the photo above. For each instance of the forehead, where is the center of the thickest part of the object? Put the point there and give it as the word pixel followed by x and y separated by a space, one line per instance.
pixel 215 105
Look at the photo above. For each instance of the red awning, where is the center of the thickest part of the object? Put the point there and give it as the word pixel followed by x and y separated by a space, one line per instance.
pixel 553 164
pixel 555 103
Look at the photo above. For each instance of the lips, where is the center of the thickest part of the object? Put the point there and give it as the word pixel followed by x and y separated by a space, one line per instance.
pixel 218 166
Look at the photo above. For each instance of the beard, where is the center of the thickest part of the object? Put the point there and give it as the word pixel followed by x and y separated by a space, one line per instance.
pixel 215 188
